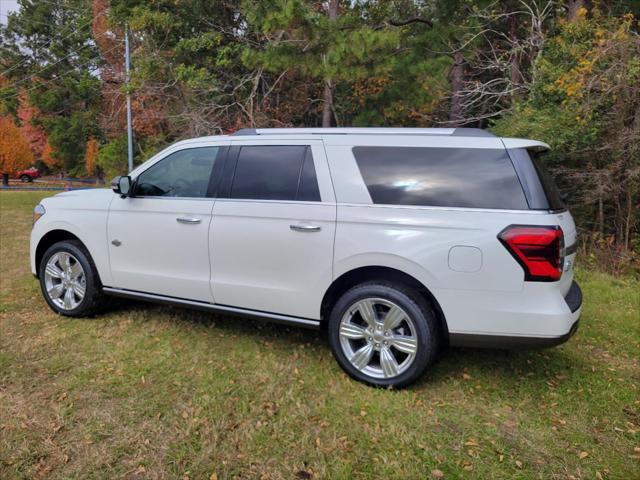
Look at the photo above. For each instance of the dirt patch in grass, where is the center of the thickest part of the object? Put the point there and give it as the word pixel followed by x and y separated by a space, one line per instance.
pixel 143 391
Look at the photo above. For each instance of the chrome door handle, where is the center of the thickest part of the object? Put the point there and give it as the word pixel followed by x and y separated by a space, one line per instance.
pixel 305 228
pixel 188 220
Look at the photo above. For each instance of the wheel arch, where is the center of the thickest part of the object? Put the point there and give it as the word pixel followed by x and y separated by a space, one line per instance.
pixel 50 238
pixel 360 275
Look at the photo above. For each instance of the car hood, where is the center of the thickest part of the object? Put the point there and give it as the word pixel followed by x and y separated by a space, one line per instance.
pixel 85 199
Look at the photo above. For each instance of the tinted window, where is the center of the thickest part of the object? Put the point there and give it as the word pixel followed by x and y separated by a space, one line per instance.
pixel 308 188
pixel 548 184
pixel 442 177
pixel 182 174
pixel 274 173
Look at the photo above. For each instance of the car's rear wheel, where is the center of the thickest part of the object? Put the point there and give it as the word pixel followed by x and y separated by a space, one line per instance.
pixel 69 280
pixel 25 178
pixel 384 335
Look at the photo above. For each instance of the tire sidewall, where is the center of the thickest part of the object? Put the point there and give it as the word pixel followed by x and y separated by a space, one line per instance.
pixel 424 331
pixel 90 283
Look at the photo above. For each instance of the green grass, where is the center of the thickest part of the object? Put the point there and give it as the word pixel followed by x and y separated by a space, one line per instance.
pixel 146 391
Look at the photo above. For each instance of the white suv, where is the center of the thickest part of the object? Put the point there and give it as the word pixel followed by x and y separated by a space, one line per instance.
pixel 396 240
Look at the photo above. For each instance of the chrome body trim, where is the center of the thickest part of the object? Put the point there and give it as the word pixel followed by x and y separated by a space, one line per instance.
pixel 274 317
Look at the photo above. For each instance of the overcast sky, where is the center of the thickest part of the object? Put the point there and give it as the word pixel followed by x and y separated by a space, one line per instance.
pixel 7 6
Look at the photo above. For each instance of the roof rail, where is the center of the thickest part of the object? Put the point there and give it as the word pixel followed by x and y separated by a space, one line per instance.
pixel 458 132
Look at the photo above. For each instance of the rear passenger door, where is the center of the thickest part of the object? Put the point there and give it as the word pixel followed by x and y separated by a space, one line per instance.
pixel 273 228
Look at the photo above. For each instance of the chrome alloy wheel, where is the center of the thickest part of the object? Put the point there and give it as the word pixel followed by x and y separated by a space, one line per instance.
pixel 378 338
pixel 64 280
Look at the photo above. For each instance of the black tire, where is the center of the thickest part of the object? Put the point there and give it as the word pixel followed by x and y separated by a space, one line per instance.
pixel 25 178
pixel 415 306
pixel 93 296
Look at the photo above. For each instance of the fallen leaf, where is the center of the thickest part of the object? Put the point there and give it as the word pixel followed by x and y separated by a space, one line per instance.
pixel 466 376
pixel 518 464
pixel 214 476
pixel 471 442
pixel 583 455
pixel 437 473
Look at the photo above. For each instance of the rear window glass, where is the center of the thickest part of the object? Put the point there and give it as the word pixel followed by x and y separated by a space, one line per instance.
pixel 440 177
pixel 548 184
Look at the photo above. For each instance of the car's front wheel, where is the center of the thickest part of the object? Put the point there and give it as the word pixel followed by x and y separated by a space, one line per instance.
pixel 25 178
pixel 382 334
pixel 69 280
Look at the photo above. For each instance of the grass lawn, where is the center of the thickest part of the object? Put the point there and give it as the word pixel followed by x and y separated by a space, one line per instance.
pixel 146 391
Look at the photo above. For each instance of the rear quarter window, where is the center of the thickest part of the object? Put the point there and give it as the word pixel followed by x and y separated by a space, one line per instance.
pixel 539 186
pixel 440 177
pixel 548 184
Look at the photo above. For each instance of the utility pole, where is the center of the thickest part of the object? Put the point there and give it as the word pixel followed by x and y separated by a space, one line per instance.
pixel 127 60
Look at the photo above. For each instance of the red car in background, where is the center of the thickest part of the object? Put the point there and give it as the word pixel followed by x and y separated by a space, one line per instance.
pixel 28 175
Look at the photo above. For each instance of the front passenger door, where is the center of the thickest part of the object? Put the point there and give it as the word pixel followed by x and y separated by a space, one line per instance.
pixel 159 237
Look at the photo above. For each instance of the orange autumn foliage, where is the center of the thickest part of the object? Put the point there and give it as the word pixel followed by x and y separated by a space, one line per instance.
pixel 15 153
pixel 90 156
pixel 34 134
pixel 47 156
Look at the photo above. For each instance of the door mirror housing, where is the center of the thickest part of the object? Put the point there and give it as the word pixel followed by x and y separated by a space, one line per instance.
pixel 122 185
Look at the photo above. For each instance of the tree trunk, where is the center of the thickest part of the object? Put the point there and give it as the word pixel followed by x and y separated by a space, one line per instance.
pixel 5 179
pixel 327 104
pixel 629 220
pixel 514 67
pixel 327 98
pixel 600 215
pixel 619 222
pixel 457 75
pixel 573 6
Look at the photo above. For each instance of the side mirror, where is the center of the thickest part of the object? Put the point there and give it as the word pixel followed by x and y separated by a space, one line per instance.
pixel 121 185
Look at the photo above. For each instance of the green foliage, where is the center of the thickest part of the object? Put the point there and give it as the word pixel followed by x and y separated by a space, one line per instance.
pixel 112 157
pixel 51 47
pixel 297 36
pixel 585 99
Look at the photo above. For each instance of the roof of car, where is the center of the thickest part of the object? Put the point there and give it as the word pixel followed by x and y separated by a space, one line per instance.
pixel 470 137
pixel 457 132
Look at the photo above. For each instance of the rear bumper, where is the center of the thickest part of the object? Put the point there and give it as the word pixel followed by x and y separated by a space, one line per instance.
pixel 508 342
pixel 573 301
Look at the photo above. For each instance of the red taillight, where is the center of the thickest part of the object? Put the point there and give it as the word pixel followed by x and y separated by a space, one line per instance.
pixel 537 249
